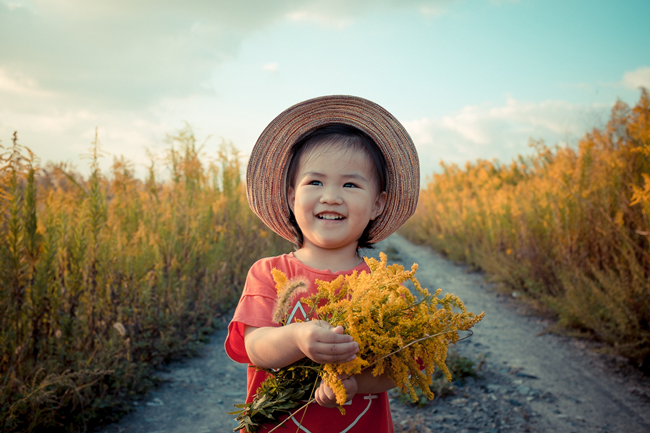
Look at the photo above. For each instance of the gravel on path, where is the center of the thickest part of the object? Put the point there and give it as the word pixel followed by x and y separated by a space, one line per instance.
pixel 530 381
pixel 195 395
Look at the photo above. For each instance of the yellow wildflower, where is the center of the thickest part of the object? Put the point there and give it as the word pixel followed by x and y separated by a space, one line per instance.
pixel 397 332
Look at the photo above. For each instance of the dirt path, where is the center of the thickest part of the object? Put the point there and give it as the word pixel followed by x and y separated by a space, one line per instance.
pixel 535 383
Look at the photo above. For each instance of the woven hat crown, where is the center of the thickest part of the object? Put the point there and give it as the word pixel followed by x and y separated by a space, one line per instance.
pixel 269 161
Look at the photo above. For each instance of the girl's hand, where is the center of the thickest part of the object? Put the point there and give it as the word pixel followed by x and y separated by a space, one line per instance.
pixel 323 343
pixel 325 396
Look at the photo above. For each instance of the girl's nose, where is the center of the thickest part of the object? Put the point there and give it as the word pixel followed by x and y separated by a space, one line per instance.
pixel 330 196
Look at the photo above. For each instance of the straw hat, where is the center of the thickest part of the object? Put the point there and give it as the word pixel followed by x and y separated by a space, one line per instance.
pixel 270 158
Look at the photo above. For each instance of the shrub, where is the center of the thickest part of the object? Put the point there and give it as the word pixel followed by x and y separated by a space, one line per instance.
pixel 102 279
pixel 569 227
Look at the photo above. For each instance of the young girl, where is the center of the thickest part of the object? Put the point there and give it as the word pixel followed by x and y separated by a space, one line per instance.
pixel 333 175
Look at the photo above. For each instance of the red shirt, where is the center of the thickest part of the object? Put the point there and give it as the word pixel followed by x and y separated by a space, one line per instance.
pixel 365 413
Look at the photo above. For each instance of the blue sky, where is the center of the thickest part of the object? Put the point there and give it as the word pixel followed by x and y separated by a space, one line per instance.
pixel 469 79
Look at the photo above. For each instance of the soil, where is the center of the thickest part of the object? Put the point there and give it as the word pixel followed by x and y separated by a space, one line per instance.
pixel 529 380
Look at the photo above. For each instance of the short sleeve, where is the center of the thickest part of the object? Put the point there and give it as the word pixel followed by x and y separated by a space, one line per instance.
pixel 255 308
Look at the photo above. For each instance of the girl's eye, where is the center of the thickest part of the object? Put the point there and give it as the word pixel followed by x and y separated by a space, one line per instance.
pixel 315 182
pixel 349 185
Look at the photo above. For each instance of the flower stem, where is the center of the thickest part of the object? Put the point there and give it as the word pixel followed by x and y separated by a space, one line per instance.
pixel 291 415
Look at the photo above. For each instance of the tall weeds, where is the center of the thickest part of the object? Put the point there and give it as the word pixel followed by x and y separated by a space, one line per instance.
pixel 103 278
pixel 569 227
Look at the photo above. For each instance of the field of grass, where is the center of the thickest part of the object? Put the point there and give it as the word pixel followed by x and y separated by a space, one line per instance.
pixel 104 278
pixel 568 227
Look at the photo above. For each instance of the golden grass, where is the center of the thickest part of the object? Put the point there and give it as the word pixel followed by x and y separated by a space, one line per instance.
pixel 103 278
pixel 569 227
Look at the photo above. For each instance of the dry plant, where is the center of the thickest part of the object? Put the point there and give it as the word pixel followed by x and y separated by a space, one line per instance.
pixel 103 278
pixel 570 227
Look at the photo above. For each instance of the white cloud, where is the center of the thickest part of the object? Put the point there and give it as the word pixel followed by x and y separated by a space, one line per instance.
pixel 67 66
pixel 342 13
pixel 499 131
pixel 271 67
pixel 19 85
pixel 66 135
pixel 132 53
pixel 326 20
pixel 52 122
pixel 432 11
pixel 136 69
pixel 640 77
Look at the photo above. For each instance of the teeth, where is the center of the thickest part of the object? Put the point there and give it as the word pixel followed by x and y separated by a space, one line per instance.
pixel 330 217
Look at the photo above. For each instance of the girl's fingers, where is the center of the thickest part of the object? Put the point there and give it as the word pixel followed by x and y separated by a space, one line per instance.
pixel 334 359
pixel 334 337
pixel 325 396
pixel 342 350
pixel 327 345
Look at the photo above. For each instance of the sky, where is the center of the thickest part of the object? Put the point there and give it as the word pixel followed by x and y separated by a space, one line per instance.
pixel 469 79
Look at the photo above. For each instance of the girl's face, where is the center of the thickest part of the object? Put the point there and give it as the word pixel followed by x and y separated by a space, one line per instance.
pixel 335 197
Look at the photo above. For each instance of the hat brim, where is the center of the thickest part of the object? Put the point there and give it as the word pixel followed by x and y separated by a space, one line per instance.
pixel 270 158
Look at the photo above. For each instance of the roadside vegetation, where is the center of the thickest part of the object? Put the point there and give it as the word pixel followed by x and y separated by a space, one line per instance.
pixel 106 277
pixel 570 228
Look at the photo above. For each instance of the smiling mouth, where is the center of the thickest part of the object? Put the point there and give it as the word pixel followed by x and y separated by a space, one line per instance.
pixel 330 217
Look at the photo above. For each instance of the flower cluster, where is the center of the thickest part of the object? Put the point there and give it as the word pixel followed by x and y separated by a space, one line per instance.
pixel 399 334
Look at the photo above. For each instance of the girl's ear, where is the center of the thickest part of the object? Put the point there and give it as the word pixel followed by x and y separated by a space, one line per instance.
pixel 380 204
pixel 291 198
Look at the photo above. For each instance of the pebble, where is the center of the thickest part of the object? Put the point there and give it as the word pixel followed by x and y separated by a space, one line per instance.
pixel 523 389
pixel 497 388
pixel 527 376
pixel 474 408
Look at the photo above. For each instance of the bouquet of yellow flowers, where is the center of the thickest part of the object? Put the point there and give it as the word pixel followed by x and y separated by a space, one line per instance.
pixel 400 334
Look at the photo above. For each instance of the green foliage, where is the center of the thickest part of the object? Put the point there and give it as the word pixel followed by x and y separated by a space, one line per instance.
pixel 104 278
pixel 279 394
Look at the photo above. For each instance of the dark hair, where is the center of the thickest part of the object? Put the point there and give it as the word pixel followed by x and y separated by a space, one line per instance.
pixel 348 137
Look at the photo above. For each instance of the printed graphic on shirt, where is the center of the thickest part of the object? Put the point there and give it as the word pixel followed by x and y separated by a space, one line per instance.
pixel 298 308
pixel 369 397
pixel 299 313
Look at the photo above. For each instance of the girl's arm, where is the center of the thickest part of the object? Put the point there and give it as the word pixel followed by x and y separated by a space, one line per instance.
pixel 271 347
